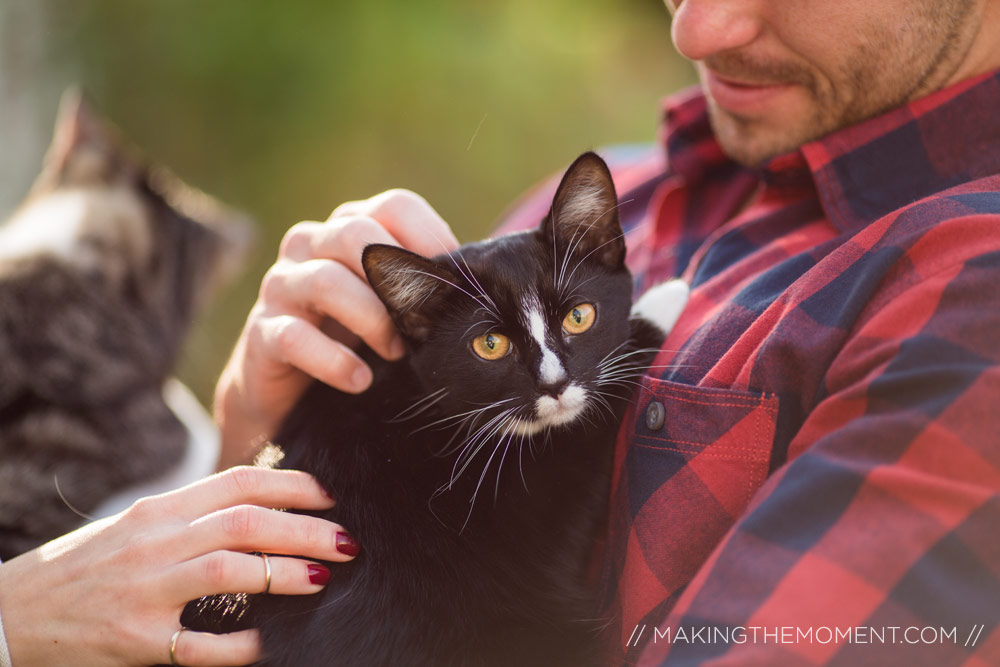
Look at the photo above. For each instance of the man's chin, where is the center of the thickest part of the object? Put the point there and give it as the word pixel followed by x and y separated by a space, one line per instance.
pixel 752 142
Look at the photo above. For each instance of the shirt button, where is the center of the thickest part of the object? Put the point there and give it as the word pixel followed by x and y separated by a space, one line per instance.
pixel 654 416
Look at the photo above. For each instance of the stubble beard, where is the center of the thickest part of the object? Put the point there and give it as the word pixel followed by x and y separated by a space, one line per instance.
pixel 863 87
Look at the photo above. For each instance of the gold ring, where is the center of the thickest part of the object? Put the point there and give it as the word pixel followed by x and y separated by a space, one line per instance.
pixel 173 647
pixel 267 574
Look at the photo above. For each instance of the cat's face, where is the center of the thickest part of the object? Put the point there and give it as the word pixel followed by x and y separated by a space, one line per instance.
pixel 523 331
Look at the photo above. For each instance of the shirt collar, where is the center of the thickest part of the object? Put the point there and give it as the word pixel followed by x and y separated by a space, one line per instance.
pixel 864 172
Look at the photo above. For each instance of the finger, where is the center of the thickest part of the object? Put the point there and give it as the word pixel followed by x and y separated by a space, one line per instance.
pixel 252 528
pixel 202 649
pixel 408 217
pixel 242 485
pixel 342 239
pixel 330 288
pixel 233 572
pixel 296 342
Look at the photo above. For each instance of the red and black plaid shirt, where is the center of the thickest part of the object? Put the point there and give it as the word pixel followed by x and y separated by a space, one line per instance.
pixel 829 460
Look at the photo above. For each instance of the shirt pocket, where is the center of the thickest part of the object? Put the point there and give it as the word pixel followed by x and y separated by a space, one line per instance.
pixel 722 435
pixel 688 464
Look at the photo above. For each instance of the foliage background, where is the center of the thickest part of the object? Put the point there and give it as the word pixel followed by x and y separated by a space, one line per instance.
pixel 286 109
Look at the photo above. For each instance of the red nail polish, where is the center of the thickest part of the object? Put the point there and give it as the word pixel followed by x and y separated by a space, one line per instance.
pixel 347 545
pixel 326 492
pixel 319 575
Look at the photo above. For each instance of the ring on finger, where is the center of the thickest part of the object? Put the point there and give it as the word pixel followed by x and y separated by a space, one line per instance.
pixel 267 574
pixel 173 647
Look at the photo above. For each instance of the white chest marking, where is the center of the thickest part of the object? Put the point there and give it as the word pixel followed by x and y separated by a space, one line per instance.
pixel 551 370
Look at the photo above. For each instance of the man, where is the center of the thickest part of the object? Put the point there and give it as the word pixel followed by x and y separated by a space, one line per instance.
pixel 814 479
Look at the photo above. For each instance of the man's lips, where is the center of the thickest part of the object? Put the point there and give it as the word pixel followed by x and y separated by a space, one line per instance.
pixel 742 97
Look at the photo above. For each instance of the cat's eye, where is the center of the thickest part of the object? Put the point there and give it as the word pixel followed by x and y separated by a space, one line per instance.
pixel 491 346
pixel 579 318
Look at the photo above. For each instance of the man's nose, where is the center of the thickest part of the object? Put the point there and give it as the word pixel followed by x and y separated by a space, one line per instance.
pixel 702 28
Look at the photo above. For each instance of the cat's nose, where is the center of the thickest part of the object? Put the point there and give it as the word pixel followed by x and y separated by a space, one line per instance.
pixel 554 389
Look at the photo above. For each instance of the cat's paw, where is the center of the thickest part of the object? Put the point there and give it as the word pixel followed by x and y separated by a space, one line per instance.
pixel 662 304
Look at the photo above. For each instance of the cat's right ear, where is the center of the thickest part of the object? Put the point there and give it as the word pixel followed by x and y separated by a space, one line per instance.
pixel 413 288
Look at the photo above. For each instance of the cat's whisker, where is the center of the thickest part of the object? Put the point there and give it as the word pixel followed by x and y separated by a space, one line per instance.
pixel 469 274
pixel 473 326
pixel 458 417
pixel 500 440
pixel 68 504
pixel 520 461
pixel 613 350
pixel 574 243
pixel 470 277
pixel 576 298
pixel 607 394
pixel 511 431
pixel 602 402
pixel 448 282
pixel 607 362
pixel 584 258
pixel 469 445
pixel 427 402
pixel 636 370
pixel 476 443
pixel 479 483
pixel 619 382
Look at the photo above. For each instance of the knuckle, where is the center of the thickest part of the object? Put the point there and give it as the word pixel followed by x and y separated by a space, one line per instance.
pixel 356 231
pixel 296 241
pixel 288 335
pixel 245 481
pixel 142 509
pixel 188 651
pixel 272 284
pixel 325 277
pixel 403 198
pixel 241 523
pixel 316 534
pixel 215 570
pixel 344 209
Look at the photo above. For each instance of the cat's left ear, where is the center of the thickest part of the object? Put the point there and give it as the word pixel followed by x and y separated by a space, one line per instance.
pixel 584 215
pixel 86 150
pixel 413 288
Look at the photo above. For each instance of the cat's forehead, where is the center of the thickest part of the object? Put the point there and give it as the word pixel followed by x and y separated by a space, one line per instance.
pixel 519 280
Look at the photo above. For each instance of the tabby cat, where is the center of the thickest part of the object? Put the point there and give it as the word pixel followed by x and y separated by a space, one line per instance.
pixel 475 472
pixel 101 270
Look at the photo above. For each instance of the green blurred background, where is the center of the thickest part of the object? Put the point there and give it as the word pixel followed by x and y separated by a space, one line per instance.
pixel 286 109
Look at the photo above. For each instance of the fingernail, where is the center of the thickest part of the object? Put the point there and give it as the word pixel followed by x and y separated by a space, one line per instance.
pixel 326 492
pixel 318 574
pixel 362 378
pixel 347 545
pixel 396 349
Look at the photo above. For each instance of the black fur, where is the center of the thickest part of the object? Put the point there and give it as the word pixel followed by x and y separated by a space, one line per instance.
pixel 440 580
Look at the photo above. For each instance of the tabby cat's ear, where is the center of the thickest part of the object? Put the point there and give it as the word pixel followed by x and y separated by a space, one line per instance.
pixel 85 150
pixel 584 215
pixel 413 288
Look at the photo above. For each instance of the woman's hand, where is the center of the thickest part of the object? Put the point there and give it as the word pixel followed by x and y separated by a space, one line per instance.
pixel 111 593
pixel 313 304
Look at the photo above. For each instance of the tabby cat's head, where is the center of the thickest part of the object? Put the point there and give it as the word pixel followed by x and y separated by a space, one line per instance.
pixel 128 227
pixel 527 327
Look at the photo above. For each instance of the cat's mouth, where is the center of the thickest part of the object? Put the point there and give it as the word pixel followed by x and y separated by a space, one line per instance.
pixel 554 411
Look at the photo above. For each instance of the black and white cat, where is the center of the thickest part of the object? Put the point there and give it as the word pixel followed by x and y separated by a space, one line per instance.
pixel 475 472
